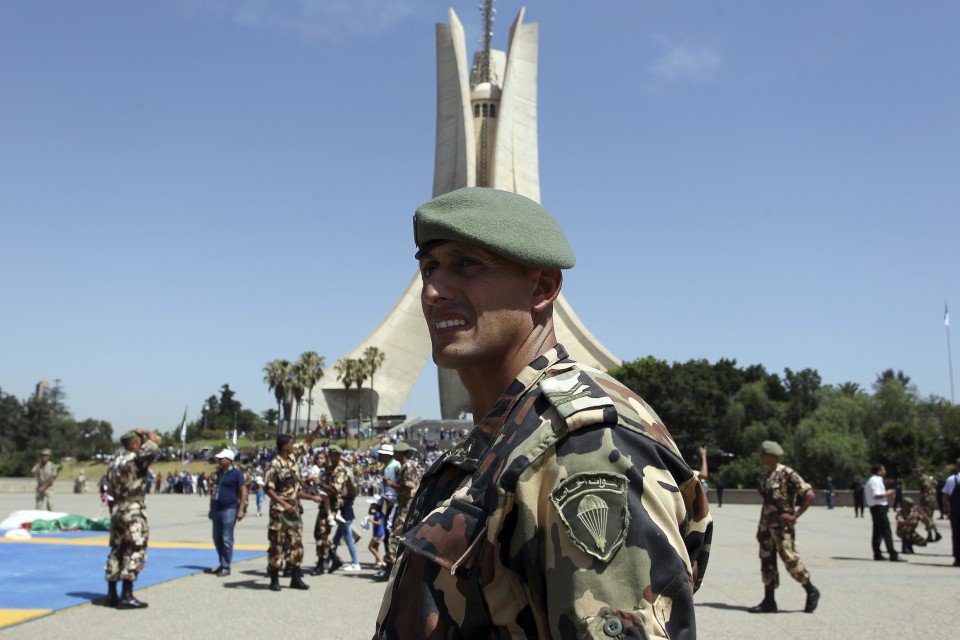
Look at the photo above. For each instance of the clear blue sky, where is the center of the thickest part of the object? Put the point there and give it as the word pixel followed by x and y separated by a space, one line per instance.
pixel 192 188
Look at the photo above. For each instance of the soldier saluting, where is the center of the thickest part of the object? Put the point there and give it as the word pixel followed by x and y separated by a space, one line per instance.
pixel 129 532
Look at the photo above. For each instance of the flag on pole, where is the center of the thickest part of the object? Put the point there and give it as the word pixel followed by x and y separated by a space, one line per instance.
pixel 946 315
pixel 234 437
pixel 183 426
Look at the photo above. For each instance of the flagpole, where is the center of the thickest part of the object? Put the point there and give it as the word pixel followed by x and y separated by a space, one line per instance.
pixel 183 437
pixel 946 323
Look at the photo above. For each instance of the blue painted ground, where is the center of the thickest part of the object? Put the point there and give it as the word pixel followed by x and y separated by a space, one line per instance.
pixel 58 576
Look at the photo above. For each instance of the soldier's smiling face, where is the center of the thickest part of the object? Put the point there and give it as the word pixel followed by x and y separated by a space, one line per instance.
pixel 477 304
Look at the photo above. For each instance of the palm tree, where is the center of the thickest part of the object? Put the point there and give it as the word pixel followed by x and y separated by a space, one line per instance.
pixel 345 369
pixel 297 389
pixel 277 373
pixel 312 372
pixel 359 377
pixel 373 357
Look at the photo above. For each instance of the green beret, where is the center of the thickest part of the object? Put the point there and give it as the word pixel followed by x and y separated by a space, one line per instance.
pixel 771 447
pixel 908 501
pixel 505 223
pixel 128 436
pixel 402 447
pixel 334 448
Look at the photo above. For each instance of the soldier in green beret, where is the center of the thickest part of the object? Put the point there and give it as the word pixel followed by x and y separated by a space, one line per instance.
pixel 776 533
pixel 537 523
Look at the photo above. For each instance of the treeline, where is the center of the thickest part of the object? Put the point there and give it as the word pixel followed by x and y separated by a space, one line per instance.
pixel 836 431
pixel 32 425
pixel 37 423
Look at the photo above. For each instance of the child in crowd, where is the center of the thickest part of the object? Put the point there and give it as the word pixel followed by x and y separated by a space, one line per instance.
pixel 375 513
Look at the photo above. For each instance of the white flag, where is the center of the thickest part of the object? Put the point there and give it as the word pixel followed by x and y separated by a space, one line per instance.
pixel 946 315
pixel 183 426
pixel 234 437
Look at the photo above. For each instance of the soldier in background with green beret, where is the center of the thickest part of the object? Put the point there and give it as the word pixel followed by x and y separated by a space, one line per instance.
pixel 776 533
pixel 537 523
pixel 46 474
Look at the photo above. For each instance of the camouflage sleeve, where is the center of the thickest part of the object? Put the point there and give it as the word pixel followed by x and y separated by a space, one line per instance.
pixel 270 478
pixel 610 533
pixel 797 483
pixel 149 450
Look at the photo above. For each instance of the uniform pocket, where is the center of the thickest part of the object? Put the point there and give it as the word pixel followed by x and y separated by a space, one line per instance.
pixel 449 536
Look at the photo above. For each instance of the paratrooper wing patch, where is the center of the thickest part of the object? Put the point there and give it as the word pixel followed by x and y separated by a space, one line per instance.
pixel 593 509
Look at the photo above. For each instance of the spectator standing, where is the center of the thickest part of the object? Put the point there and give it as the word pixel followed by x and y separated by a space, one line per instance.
pixel 227 506
pixel 951 504
pixel 857 491
pixel 877 496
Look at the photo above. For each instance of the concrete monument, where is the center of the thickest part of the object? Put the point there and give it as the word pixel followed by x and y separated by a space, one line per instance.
pixel 486 137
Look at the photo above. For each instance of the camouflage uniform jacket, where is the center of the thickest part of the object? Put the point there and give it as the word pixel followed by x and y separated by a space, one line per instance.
pixel 780 489
pixel 283 477
pixel 127 473
pixel 907 523
pixel 45 474
pixel 409 480
pixel 567 512
pixel 339 477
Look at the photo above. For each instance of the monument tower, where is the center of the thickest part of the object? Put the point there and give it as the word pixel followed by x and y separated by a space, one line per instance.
pixel 486 137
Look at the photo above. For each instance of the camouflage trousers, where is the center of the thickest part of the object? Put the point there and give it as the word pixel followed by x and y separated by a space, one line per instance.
pixel 285 542
pixel 909 535
pixel 129 534
pixel 392 546
pixel 321 533
pixel 928 508
pixel 779 541
pixel 45 497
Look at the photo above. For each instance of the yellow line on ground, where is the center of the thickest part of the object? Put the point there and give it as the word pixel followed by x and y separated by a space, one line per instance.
pixel 14 616
pixel 105 542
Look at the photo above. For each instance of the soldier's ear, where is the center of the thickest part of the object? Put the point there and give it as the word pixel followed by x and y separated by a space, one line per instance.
pixel 547 289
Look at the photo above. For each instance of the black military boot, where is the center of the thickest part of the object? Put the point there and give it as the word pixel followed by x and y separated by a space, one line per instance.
pixel 906 547
pixel 384 573
pixel 296 579
pixel 768 605
pixel 335 563
pixel 813 597
pixel 318 570
pixel 127 601
pixel 112 598
pixel 274 579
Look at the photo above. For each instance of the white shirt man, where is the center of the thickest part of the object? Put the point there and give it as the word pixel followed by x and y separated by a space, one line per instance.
pixel 876 494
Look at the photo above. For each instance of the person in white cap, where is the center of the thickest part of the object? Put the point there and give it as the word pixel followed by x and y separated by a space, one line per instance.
pixel 228 501
pixel 391 470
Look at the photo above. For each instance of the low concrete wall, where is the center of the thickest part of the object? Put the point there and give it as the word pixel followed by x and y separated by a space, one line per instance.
pixel 29 485
pixel 752 496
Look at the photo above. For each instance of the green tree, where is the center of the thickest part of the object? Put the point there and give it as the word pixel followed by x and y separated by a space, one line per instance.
pixel 297 389
pixel 277 373
pixel 228 406
pixel 373 357
pixel 312 365
pixel 829 441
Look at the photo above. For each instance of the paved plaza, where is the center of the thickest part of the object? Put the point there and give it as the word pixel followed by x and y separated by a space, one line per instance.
pixel 861 599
